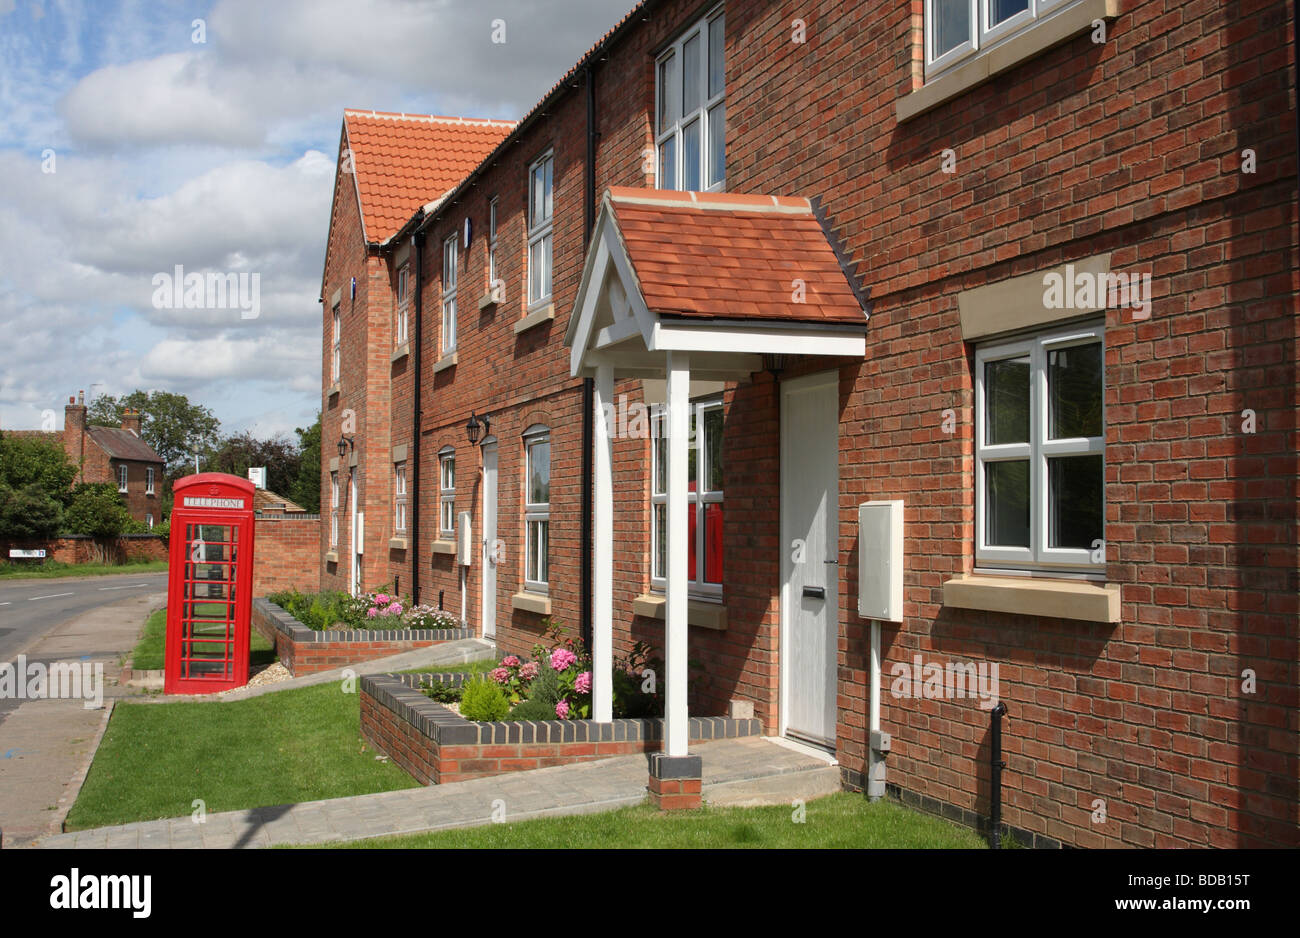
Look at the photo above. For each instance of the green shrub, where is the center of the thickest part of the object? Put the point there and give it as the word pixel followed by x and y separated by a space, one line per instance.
pixel 442 691
pixel 533 709
pixel 484 700
pixel 545 688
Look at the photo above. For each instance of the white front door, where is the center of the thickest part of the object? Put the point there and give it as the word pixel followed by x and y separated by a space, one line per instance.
pixel 809 557
pixel 492 551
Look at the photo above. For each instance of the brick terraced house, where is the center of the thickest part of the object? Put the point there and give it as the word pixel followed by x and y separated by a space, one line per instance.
pixel 879 365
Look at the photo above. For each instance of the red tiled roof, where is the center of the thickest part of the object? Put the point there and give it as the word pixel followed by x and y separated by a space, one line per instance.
pixel 122 444
pixel 265 499
pixel 731 256
pixel 404 161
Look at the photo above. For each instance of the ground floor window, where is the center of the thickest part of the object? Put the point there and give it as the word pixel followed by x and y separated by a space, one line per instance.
pixel 537 508
pixel 399 497
pixel 1040 444
pixel 334 509
pixel 447 492
pixel 704 547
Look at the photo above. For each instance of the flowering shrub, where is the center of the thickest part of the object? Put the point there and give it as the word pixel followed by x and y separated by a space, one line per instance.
pixel 379 610
pixel 429 617
pixel 514 676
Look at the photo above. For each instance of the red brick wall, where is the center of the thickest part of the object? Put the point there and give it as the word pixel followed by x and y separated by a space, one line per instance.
pixel 286 554
pixel 85 549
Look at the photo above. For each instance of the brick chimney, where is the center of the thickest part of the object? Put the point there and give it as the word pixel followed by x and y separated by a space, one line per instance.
pixel 131 420
pixel 74 431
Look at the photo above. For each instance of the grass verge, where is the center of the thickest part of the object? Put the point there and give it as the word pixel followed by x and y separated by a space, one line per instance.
pixel 839 821
pixel 53 569
pixel 148 653
pixel 472 667
pixel 279 748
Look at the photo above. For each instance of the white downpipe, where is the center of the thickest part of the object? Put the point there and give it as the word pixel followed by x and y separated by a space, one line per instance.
pixel 875 759
pixel 463 582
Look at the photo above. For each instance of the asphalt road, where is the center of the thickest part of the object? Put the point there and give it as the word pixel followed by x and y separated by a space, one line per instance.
pixel 31 608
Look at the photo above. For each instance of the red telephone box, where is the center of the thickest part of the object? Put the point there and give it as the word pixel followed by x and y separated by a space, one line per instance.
pixel 209 584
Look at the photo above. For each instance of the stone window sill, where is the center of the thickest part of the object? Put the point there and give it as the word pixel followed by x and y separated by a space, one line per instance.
pixel 447 361
pixel 531 602
pixel 1029 596
pixel 536 318
pixel 444 547
pixel 491 298
pixel 700 614
pixel 1017 49
pixel 397 543
pixel 332 557
pixel 401 352
pixel 333 389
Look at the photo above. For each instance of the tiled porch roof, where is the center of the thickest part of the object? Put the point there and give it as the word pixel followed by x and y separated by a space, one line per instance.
pixel 404 161
pixel 731 256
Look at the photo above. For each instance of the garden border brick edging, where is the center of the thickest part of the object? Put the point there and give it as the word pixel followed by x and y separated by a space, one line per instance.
pixel 436 745
pixel 306 651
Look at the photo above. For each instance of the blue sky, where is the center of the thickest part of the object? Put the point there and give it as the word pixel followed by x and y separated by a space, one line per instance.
pixel 127 147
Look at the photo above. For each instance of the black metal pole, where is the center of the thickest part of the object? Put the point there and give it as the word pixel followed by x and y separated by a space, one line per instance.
pixel 996 765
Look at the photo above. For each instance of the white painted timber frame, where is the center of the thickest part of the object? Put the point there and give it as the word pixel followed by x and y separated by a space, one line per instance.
pixel 613 334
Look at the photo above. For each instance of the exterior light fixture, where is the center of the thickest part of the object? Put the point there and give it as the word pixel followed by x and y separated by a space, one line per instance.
pixel 346 444
pixel 477 427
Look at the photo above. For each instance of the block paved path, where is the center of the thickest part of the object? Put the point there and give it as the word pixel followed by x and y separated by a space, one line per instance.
pixel 730 766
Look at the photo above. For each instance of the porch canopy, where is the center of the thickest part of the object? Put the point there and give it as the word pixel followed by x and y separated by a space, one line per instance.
pixel 682 285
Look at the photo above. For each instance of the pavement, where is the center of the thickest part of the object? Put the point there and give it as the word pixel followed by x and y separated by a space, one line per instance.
pixel 748 771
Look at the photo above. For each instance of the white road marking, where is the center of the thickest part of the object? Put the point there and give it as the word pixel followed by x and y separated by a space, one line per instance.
pixel 103 588
pixel 32 599
pixel 4 604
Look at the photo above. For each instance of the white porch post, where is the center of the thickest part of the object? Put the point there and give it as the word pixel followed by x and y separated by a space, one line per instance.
pixel 602 582
pixel 676 724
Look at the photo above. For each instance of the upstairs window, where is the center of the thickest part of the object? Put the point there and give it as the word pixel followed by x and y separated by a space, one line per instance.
pixel 1040 444
pixel 403 306
pixel 447 494
pixel 449 295
pixel 955 29
pixel 691 110
pixel 336 356
pixel 121 478
pixel 492 249
pixel 148 481
pixel 541 209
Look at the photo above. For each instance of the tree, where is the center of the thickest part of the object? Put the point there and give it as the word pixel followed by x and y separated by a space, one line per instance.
pixel 28 513
pixel 237 454
pixel 96 509
pixel 35 461
pixel 305 489
pixel 175 428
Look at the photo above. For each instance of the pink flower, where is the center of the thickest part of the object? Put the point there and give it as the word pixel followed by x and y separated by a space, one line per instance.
pixel 528 671
pixel 382 599
pixel 583 683
pixel 562 709
pixel 510 661
pixel 500 675
pixel 372 612
pixel 395 609
pixel 562 658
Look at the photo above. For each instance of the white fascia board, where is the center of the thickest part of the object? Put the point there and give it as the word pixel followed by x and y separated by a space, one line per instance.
pixel 757 341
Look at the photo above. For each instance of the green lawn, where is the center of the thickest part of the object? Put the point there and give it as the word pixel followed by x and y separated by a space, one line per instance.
pixel 148 654
pixel 843 820
pixel 472 667
pixel 279 748
pixel 52 569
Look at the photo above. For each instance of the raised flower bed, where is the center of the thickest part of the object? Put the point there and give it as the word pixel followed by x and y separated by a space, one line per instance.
pixel 305 651
pixel 436 745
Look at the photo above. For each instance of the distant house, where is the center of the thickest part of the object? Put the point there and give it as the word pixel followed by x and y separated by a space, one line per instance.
pixel 266 502
pixel 118 455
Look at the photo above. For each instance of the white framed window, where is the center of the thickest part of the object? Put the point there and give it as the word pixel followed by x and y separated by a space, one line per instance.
pixel 121 478
pixel 399 497
pixel 447 491
pixel 148 480
pixel 541 209
pixel 1040 452
pixel 148 520
pixel 402 319
pixel 449 295
pixel 537 508
pixel 493 276
pixel 691 108
pixel 336 355
pixel 334 509
pixel 704 496
pixel 956 29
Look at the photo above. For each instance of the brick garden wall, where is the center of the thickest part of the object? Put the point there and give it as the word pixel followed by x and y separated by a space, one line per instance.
pixel 81 548
pixel 286 555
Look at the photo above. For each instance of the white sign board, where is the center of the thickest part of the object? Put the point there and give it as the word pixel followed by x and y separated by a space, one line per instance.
pixel 192 501
pixel 14 552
